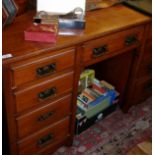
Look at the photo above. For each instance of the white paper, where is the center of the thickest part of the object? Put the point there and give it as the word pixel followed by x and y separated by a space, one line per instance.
pixel 59 6
pixel 6 56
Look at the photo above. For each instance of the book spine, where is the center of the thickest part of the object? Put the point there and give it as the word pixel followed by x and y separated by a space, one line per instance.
pixel 11 8
pixel 81 105
pixel 97 101
pixel 96 87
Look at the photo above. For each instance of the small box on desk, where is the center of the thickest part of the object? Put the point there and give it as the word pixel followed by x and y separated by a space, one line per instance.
pixel 84 123
pixel 41 33
pixel 71 24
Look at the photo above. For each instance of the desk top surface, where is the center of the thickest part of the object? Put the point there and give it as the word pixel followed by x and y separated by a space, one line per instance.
pixel 98 23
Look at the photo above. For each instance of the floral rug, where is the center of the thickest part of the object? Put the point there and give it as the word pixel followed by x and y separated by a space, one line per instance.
pixel 114 135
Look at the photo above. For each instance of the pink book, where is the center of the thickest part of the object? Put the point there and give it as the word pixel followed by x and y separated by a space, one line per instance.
pixel 41 33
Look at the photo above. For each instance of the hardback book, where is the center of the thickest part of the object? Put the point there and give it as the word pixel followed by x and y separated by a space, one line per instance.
pixel 86 98
pixel 81 105
pixel 86 79
pixel 9 10
pixel 98 88
pixel 105 84
pixel 41 33
pixel 5 16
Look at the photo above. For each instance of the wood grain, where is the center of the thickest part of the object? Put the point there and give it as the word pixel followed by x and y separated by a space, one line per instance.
pixel 105 21
pixel 40 118
pixel 24 91
pixel 28 97
pixel 26 71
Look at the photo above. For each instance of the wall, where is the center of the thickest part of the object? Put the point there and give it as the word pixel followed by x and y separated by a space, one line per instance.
pixel 24 5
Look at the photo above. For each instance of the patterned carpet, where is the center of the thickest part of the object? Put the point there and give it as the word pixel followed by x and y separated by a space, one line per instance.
pixel 114 135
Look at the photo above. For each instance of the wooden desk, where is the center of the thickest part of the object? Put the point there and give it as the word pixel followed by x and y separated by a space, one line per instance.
pixel 40 81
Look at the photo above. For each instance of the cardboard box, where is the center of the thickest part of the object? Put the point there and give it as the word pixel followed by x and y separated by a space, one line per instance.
pixel 83 122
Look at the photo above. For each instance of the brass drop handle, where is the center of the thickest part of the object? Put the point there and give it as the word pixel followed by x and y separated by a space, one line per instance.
pixel 46 69
pixel 45 116
pixel 99 51
pixel 47 93
pixel 131 39
pixel 45 139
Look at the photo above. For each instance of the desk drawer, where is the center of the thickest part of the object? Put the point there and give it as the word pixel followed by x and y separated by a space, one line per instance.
pixel 42 66
pixel 49 136
pixel 42 92
pixel 112 43
pixel 42 117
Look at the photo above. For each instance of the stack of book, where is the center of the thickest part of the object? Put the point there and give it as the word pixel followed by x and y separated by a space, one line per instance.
pixel 96 99
pixel 43 29
pixel 41 33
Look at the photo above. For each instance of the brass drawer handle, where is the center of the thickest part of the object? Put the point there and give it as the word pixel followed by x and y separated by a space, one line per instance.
pixel 45 116
pixel 46 69
pixel 45 139
pixel 47 93
pixel 97 52
pixel 131 40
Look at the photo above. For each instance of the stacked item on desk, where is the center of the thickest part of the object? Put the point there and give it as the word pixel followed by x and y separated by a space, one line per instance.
pixel 97 99
pixel 43 29
pixel 72 23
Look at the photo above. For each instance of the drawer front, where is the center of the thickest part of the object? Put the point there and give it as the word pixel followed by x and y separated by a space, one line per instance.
pixel 43 92
pixel 112 43
pixel 49 136
pixel 42 66
pixel 45 116
pixel 143 91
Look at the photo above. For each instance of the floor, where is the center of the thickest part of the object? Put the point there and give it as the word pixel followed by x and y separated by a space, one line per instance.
pixel 144 148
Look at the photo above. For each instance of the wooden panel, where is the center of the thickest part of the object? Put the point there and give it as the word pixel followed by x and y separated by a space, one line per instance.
pixel 145 68
pixel 28 70
pixel 40 118
pixel 142 91
pixel 51 135
pixel 149 32
pixel 147 52
pixel 116 71
pixel 22 6
pixel 42 92
pixel 112 43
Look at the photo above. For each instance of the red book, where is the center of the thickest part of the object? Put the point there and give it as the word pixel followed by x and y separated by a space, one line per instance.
pixel 96 87
pixel 41 33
